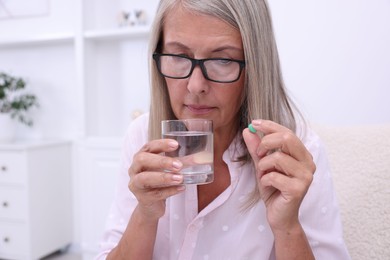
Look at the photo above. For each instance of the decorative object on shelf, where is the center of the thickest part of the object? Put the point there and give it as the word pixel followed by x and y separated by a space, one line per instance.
pixel 132 18
pixel 14 104
pixel 20 8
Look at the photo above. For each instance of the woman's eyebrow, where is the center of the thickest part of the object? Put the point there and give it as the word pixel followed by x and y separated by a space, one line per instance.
pixel 176 45
pixel 228 47
pixel 180 45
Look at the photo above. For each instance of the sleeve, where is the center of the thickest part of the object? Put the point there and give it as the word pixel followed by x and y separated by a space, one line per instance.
pixel 124 201
pixel 319 213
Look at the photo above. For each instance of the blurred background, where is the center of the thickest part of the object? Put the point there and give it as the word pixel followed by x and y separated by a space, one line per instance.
pixel 86 62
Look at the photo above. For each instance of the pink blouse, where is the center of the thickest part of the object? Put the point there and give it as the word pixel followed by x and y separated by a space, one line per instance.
pixel 224 230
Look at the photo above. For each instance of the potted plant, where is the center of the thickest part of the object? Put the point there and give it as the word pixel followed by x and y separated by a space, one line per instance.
pixel 14 104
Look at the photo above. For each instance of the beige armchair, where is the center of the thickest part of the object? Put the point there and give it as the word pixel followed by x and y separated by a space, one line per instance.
pixel 360 161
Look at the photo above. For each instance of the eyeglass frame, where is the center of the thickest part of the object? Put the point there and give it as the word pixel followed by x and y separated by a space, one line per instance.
pixel 194 63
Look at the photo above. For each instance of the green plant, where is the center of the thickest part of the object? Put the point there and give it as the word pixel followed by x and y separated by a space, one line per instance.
pixel 14 100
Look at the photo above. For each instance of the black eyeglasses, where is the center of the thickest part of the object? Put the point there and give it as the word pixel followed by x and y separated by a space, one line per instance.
pixel 215 69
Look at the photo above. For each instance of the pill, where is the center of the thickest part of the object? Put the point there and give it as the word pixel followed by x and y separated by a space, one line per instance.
pixel 251 128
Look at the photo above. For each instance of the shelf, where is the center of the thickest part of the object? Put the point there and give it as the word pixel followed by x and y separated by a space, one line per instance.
pixel 95 35
pixel 118 34
pixel 32 144
pixel 57 38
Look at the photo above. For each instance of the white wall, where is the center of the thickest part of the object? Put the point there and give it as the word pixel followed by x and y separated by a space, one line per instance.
pixel 48 69
pixel 336 58
pixel 56 16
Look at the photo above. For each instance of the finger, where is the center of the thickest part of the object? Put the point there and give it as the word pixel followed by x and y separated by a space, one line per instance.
pixel 252 142
pixel 148 162
pixel 203 157
pixel 149 157
pixel 159 194
pixel 151 180
pixel 280 162
pixel 285 164
pixel 286 142
pixel 268 126
pixel 280 137
pixel 160 145
pixel 289 187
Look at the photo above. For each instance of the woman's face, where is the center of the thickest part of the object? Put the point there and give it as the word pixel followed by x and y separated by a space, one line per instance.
pixel 202 37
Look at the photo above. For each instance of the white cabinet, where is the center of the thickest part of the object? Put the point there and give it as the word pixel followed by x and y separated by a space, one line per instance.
pixel 35 199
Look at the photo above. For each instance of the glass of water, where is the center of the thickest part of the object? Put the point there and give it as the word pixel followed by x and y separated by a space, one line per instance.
pixel 195 151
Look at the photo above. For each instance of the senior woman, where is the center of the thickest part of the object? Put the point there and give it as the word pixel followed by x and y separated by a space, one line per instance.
pixel 272 194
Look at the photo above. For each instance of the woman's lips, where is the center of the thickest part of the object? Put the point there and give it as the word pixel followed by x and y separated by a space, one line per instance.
pixel 199 110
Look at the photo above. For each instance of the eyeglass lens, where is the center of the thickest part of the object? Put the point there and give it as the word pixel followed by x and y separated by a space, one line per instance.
pixel 222 70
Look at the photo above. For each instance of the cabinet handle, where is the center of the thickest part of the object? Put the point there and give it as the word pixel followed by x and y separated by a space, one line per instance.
pixel 5 204
pixel 3 168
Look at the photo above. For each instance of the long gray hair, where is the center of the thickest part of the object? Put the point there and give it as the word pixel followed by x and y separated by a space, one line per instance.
pixel 265 96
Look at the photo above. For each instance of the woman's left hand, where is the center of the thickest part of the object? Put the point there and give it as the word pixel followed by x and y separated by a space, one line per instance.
pixel 284 171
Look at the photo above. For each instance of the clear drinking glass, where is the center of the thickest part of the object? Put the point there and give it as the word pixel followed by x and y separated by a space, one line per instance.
pixel 195 151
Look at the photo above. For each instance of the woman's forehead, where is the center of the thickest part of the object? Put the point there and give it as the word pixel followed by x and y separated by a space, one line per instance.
pixel 186 27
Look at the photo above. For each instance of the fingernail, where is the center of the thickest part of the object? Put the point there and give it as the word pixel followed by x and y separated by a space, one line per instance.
pixel 256 122
pixel 173 144
pixel 251 128
pixel 177 164
pixel 177 178
pixel 181 188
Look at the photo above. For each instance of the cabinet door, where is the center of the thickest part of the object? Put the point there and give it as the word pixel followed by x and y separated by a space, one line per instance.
pixel 101 168
pixel 13 240
pixel 13 168
pixel 13 203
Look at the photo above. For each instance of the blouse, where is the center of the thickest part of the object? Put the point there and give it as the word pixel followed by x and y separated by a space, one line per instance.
pixel 224 229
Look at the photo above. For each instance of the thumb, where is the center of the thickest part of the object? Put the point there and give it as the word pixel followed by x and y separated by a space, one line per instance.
pixel 252 141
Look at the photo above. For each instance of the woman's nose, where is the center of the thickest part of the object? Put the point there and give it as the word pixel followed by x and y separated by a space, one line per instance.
pixel 197 83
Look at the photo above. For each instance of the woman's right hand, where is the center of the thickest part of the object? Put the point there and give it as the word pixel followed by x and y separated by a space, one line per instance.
pixel 154 177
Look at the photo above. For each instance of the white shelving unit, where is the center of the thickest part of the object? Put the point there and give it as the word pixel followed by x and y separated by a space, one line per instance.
pixel 141 31
pixel 91 78
pixel 58 38
pixel 94 57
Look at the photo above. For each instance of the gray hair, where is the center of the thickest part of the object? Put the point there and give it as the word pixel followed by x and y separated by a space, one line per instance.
pixel 265 95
